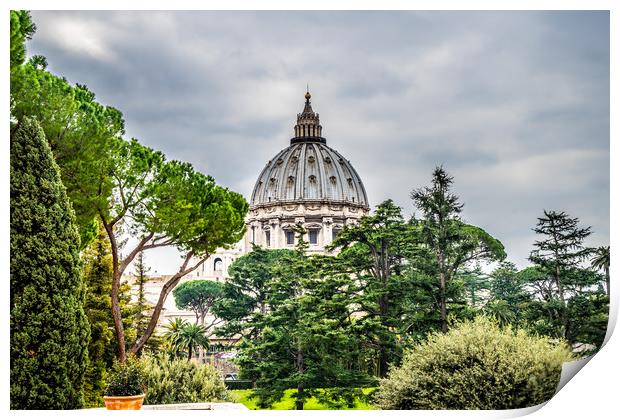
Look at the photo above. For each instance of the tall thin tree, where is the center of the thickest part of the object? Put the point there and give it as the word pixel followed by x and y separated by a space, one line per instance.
pixel 49 329
pixel 454 243
pixel 559 252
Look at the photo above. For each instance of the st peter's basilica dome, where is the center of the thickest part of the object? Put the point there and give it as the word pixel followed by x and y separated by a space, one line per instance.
pixel 308 170
pixel 308 184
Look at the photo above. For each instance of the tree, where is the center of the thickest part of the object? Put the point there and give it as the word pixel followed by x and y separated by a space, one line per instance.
pixel 98 280
pixel 245 292
pixel 173 335
pixel 600 261
pixel 165 204
pixel 305 339
pixel 22 29
pixel 130 188
pixel 182 335
pixel 80 132
pixel 453 243
pixel 558 254
pixel 374 253
pixel 193 337
pixel 198 296
pixel 49 330
pixel 142 306
pixel 507 296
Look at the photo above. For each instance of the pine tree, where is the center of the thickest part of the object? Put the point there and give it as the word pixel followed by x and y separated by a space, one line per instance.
pixel 49 330
pixel 306 339
pixel 454 243
pixel 559 254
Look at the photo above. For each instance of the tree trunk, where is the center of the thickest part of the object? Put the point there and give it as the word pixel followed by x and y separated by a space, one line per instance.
pixel 189 352
pixel 383 351
pixel 165 291
pixel 443 312
pixel 116 306
pixel 563 314
pixel 299 403
pixel 607 279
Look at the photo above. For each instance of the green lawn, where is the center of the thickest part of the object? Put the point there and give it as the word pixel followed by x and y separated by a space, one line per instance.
pixel 287 403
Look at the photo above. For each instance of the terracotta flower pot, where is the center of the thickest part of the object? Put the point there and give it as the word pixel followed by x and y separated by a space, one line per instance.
pixel 132 402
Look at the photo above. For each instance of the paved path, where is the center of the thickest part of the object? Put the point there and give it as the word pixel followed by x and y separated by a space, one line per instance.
pixel 197 406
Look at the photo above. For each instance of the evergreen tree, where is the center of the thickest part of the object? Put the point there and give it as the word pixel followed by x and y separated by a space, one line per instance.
pixel 559 254
pixel 453 243
pixel 98 279
pixel 375 253
pixel 49 330
pixel 507 296
pixel 142 306
pixel 306 339
pixel 245 291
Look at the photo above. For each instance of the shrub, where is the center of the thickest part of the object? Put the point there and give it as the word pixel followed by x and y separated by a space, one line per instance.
pixel 181 381
pixel 49 330
pixel 476 365
pixel 126 379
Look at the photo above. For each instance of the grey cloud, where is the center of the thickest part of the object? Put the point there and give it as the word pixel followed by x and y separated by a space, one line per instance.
pixel 514 104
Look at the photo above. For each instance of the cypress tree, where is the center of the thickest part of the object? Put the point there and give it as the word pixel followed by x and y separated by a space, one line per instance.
pixel 49 330
pixel 98 307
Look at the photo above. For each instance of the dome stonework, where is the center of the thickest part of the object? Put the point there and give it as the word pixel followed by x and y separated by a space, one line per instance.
pixel 308 172
pixel 307 183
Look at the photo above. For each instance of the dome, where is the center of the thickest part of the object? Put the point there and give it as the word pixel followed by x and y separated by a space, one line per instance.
pixel 308 170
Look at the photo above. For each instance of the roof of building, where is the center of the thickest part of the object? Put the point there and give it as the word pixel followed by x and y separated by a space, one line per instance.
pixel 308 170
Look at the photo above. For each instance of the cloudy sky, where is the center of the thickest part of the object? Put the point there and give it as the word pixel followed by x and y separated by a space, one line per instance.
pixel 515 105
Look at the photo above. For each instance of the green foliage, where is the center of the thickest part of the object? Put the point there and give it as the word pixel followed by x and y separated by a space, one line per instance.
pixel 173 335
pixel 453 243
pixel 182 336
pixel 79 129
pixel 142 306
pixel 557 255
pixel 476 365
pixel 375 254
pixel 305 340
pixel 193 337
pixel 600 261
pixel 167 203
pixel 98 279
pixel 181 381
pixel 128 378
pixel 199 296
pixel 22 28
pixel 244 298
pixel 49 330
pixel 581 317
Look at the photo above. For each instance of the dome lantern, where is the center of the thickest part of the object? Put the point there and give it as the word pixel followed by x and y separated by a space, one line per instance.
pixel 308 127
